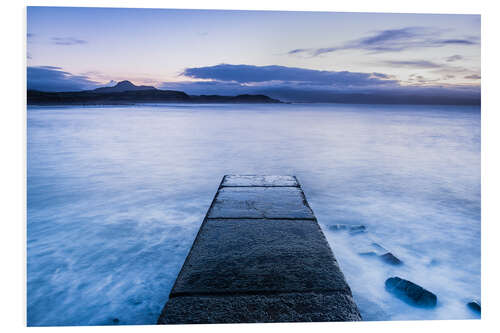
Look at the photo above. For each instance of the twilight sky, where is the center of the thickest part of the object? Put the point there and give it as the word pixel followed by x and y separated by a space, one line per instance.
pixel 229 52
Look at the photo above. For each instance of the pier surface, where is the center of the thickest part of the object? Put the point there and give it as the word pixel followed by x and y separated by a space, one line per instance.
pixel 259 256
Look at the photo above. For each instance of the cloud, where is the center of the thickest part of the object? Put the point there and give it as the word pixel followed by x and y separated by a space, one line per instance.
pixel 473 77
pixel 322 94
pixel 391 40
pixel 67 41
pixel 249 74
pixel 51 78
pixel 413 64
pixel 306 85
pixel 454 58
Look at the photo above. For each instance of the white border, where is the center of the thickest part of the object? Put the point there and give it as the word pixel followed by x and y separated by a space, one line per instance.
pixel 13 149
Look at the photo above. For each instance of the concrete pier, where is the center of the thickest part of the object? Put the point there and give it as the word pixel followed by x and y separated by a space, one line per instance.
pixel 259 256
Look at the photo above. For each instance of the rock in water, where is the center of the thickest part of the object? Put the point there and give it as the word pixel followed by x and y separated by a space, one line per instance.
pixel 475 306
pixel 410 292
pixel 379 248
pixel 391 259
pixel 357 229
pixel 368 254
pixel 337 227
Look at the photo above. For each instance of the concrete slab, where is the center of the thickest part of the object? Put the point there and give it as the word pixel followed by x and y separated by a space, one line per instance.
pixel 254 180
pixel 260 256
pixel 251 256
pixel 260 202
pixel 290 307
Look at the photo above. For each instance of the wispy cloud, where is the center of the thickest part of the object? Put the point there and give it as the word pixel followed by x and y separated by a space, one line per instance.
pixel 453 58
pixel 445 70
pixel 412 64
pixel 67 41
pixel 52 78
pixel 391 40
pixel 473 77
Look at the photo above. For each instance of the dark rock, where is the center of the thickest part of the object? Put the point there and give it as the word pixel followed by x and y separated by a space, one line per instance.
pixel 368 254
pixel 337 227
pixel 357 229
pixel 475 306
pixel 410 292
pixel 391 259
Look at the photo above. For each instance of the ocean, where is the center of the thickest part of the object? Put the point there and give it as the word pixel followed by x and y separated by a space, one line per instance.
pixel 116 195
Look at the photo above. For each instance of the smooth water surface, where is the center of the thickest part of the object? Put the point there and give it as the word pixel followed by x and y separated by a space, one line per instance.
pixel 117 194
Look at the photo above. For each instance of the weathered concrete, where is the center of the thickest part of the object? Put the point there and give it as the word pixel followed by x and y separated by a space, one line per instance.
pixel 251 256
pixel 260 202
pixel 239 181
pixel 260 256
pixel 260 308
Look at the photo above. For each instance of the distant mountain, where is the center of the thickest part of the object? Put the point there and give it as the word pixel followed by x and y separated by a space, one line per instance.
pixel 125 92
pixel 123 86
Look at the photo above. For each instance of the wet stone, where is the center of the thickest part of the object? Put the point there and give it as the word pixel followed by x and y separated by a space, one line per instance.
pixel 368 254
pixel 287 307
pixel 337 227
pixel 391 259
pixel 260 256
pixel 249 180
pixel 357 228
pixel 260 202
pixel 410 292
pixel 475 306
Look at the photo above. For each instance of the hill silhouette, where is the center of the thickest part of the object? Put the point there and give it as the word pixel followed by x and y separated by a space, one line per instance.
pixel 125 92
pixel 123 86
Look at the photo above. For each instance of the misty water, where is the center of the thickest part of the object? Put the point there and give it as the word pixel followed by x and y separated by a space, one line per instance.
pixel 117 194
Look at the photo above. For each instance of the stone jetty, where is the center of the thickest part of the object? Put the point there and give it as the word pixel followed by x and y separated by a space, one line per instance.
pixel 259 256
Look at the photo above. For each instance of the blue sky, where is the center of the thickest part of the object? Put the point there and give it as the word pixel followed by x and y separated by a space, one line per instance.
pixel 205 51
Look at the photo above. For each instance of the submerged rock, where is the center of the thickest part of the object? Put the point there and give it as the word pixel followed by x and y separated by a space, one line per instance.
pixel 410 292
pixel 353 229
pixel 379 248
pixel 370 311
pixel 391 259
pixel 357 229
pixel 368 254
pixel 337 227
pixel 475 306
